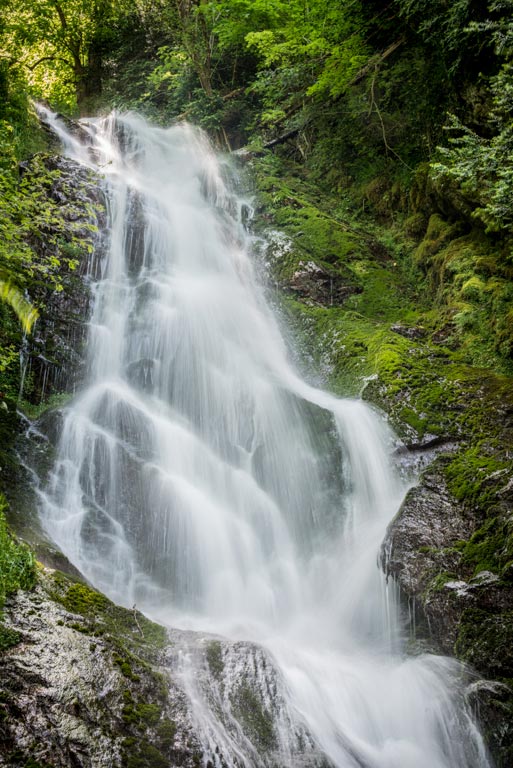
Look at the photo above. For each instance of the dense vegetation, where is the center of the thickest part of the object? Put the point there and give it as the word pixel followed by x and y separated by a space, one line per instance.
pixel 402 109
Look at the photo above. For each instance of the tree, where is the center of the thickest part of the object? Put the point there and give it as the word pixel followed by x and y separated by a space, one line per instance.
pixel 480 158
pixel 61 43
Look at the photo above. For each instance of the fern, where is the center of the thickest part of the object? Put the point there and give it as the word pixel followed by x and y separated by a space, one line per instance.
pixel 26 313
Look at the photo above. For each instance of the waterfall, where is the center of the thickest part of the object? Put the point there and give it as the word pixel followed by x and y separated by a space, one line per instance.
pixel 199 477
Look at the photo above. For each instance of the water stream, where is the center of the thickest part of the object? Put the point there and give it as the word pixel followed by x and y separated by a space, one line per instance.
pixel 199 477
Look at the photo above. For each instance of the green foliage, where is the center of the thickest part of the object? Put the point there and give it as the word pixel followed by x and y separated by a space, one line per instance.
pixel 444 25
pixel 61 45
pixel 482 166
pixel 26 313
pixel 479 157
pixel 17 565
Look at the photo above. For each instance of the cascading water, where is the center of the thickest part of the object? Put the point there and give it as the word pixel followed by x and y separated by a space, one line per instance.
pixel 198 476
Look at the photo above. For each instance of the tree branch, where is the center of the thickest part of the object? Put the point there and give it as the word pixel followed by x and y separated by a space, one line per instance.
pixel 375 61
pixel 374 107
pixel 49 58
pixel 283 138
pixel 60 13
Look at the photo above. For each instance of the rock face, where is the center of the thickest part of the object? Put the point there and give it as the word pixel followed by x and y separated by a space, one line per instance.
pixel 419 549
pixel 87 687
pixel 454 607
pixel 53 356
pixel 87 684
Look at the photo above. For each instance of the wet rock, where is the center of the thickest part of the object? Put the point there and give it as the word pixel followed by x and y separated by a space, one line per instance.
pixel 310 281
pixel 428 550
pixel 245 696
pixel 87 684
pixel 409 332
pixel 494 704
pixel 418 550
pixel 52 357
pixel 87 687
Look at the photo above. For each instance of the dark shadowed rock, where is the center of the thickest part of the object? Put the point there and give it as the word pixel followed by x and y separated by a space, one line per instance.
pixel 310 281
pixel 454 609
pixel 418 550
pixel 409 332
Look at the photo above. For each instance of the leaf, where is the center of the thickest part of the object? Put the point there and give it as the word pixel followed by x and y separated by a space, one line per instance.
pixel 27 314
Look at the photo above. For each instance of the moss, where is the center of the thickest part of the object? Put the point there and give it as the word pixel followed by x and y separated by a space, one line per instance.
pixel 8 637
pixel 142 714
pixel 131 628
pixel 317 223
pixel 166 732
pixel 437 584
pixel 490 547
pixel 145 755
pixel 138 752
pixel 149 714
pixel 126 668
pixel 471 474
pixel 438 233
pixel 54 401
pixel 80 598
pixel 215 658
pixel 415 225
pixel 485 640
pixel 257 722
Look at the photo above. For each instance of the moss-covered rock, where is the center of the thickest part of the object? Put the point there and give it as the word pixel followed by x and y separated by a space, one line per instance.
pixel 85 684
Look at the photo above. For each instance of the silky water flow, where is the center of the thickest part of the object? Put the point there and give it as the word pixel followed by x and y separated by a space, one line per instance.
pixel 199 477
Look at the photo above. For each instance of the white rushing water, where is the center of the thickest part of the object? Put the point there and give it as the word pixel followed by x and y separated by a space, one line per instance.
pixel 199 477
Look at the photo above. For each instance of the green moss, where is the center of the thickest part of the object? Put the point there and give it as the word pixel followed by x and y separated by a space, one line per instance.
pixel 8 638
pixel 17 571
pixel 438 233
pixel 149 714
pixel 485 640
pixel 130 627
pixel 35 411
pixel 491 547
pixel 440 580
pixel 126 668
pixel 146 755
pixel 470 475
pixel 166 732
pixel 141 714
pixel 318 224
pixel 257 722
pixel 80 598
pixel 215 658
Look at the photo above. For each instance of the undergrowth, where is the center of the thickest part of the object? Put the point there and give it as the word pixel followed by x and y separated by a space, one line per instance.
pixel 17 571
